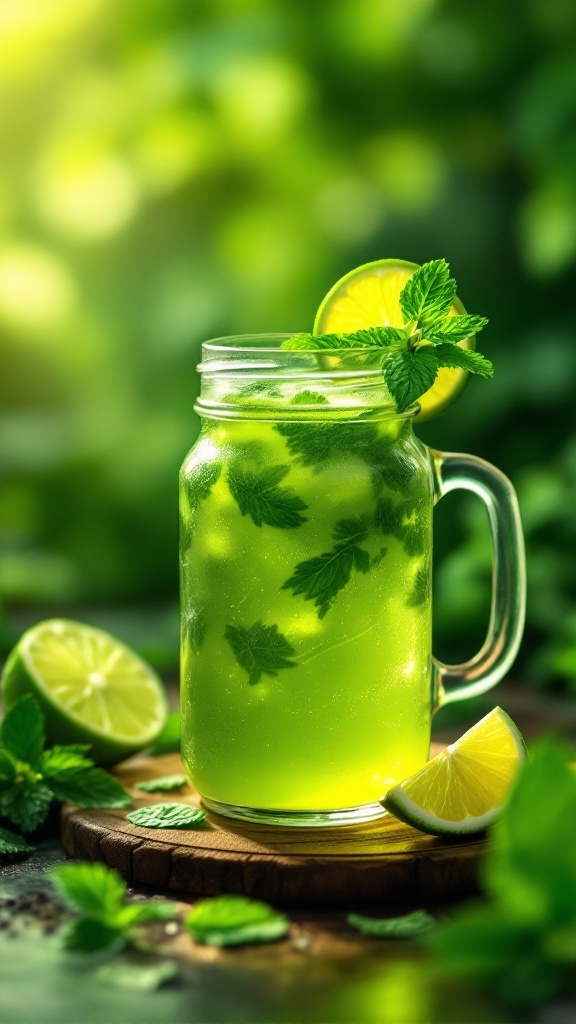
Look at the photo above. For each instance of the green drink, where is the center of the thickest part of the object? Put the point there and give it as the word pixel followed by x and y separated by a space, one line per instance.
pixel 307 678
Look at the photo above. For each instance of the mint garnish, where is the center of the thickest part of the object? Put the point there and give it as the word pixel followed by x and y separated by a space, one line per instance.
pixel 234 921
pixel 260 650
pixel 258 494
pixel 413 354
pixel 320 578
pixel 167 816
pixel 31 778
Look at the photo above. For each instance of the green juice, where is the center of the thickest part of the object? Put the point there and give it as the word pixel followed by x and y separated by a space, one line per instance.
pixel 306 611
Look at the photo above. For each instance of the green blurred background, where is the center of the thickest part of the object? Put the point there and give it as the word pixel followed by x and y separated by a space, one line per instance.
pixel 174 171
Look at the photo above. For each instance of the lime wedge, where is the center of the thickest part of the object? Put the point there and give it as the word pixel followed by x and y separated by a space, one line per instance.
pixel 464 788
pixel 369 297
pixel 90 686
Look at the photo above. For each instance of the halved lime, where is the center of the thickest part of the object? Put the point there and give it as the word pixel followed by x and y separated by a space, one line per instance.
pixel 369 297
pixel 464 788
pixel 91 687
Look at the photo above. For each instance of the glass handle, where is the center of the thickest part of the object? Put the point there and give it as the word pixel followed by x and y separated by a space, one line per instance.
pixel 485 669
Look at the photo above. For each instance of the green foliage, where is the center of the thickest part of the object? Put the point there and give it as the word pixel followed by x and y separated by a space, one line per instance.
pixel 147 209
pixel 258 495
pixel 167 816
pixel 31 778
pixel 322 577
pixel 260 650
pixel 106 920
pixel 521 944
pixel 235 921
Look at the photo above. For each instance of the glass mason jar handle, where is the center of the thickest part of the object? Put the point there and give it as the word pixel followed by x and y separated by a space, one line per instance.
pixel 485 669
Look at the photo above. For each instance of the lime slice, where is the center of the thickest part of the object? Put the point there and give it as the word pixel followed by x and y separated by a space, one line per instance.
pixel 90 686
pixel 369 297
pixel 463 788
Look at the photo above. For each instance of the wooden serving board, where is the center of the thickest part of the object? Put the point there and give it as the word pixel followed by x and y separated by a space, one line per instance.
pixel 383 861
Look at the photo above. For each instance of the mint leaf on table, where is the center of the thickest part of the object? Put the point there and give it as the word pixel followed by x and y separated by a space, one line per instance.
pixel 409 374
pixel 407 927
pixel 167 816
pixel 26 803
pixel 74 778
pixel 12 845
pixel 258 494
pixel 31 778
pixel 107 920
pixel 322 577
pixel 22 731
pixel 412 355
pixel 260 650
pixel 167 784
pixel 168 742
pixel 235 921
pixel 91 889
pixel 137 977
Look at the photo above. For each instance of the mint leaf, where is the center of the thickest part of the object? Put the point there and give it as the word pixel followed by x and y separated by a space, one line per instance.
pixel 200 480
pixel 409 374
pixel 89 934
pixel 22 730
pixel 92 888
pixel 463 358
pixel 168 742
pixel 8 769
pixel 12 845
pixel 25 804
pixel 258 495
pixel 167 816
pixel 371 337
pixel 82 783
pixel 309 398
pixel 429 293
pixel 316 444
pixel 234 921
pixel 137 977
pixel 407 927
pixel 420 592
pixel 455 328
pixel 167 784
pixel 321 578
pixel 259 650
pixel 408 521
pixel 193 625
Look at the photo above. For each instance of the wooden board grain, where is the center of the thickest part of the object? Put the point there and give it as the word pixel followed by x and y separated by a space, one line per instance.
pixel 382 862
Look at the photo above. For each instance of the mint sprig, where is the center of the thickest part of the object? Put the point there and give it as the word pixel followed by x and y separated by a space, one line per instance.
pixel 260 650
pixel 31 777
pixel 413 354
pixel 105 918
